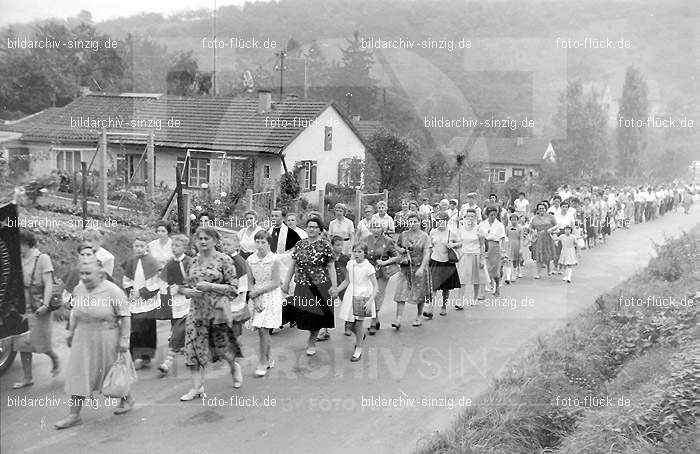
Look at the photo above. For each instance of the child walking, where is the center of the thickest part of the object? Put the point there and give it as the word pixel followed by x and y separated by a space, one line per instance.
pixel 358 301
pixel 231 246
pixel 567 258
pixel 266 296
pixel 513 233
pixel 175 305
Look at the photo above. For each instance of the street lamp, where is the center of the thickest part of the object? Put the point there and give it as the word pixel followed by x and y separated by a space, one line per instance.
pixel 460 161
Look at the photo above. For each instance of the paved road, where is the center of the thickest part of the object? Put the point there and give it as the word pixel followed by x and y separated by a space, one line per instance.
pixel 320 404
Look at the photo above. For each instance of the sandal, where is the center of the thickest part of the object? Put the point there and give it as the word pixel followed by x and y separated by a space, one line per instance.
pixel 23 384
pixel 69 421
pixel 237 375
pixel 417 322
pixel 443 311
pixel 310 351
pixel 355 357
pixel 125 406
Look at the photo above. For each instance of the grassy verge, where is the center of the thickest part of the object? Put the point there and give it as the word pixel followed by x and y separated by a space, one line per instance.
pixel 624 347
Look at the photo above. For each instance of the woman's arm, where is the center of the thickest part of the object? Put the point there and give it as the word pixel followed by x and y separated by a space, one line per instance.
pixel 274 281
pixel 124 332
pixel 375 286
pixel 345 283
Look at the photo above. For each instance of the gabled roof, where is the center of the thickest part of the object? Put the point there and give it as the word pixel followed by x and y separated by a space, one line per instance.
pixel 368 128
pixel 226 124
pixel 496 150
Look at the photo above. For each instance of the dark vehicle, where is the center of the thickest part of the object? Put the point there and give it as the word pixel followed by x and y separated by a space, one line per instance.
pixel 12 321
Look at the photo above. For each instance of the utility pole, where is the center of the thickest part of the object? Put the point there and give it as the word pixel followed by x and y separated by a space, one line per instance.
pixel 281 54
pixel 348 95
pixel 213 72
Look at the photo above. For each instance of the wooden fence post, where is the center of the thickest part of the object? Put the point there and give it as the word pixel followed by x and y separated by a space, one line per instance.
pixel 249 198
pixel 187 208
pixel 150 167
pixel 358 203
pixel 102 150
pixel 386 197
pixel 83 168
pixel 274 198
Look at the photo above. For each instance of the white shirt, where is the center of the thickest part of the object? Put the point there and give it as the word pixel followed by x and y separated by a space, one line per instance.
pixel 107 259
pixel 492 232
pixel 248 239
pixel 425 209
pixel 564 220
pixel 159 252
pixel 386 221
pixel 521 206
pixel 466 206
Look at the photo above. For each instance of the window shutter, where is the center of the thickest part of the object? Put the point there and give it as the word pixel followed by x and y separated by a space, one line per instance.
pixel 314 168
pixel 328 139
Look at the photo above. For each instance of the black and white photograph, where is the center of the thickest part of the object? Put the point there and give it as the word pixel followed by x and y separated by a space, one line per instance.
pixel 349 226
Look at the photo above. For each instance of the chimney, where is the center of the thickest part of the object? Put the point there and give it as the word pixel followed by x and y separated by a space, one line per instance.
pixel 356 118
pixel 264 101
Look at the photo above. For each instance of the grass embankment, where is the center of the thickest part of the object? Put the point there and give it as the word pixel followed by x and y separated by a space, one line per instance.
pixel 642 356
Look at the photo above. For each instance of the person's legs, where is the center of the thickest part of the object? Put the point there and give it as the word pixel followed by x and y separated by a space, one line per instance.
pixel 311 343
pixel 378 302
pixel 73 418
pixel 445 299
pixel 357 330
pixel 55 367
pixel 26 358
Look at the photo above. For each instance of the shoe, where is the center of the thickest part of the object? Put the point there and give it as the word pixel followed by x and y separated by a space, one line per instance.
pixel 237 375
pixel 563 279
pixel 378 325
pixel 355 357
pixel 347 333
pixel 372 330
pixel 193 394
pixel 55 371
pixel 260 372
pixel 568 281
pixel 417 322
pixel 497 293
pixel 443 311
pixel 459 308
pixel 323 336
pixel 138 364
pixel 520 275
pixel 163 369
pixel 507 282
pixel 481 297
pixel 125 406
pixel 310 351
pixel 69 421
pixel 271 364
pixel 428 315
pixel 538 277
pixel 23 384
pixel 396 325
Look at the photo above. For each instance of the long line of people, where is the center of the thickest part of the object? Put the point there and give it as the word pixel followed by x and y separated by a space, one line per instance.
pixel 211 286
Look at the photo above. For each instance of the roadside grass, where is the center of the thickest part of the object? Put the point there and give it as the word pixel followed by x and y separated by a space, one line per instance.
pixel 618 349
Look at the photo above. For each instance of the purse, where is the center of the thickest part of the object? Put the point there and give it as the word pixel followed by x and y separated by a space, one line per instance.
pixel 120 377
pixel 241 315
pixel 451 253
pixel 37 291
pixel 359 302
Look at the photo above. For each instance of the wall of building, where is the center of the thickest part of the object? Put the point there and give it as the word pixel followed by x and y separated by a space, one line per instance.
pixel 309 145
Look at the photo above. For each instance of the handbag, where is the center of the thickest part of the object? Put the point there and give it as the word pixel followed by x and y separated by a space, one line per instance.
pixel 451 253
pixel 37 291
pixel 120 377
pixel 241 315
pixel 359 302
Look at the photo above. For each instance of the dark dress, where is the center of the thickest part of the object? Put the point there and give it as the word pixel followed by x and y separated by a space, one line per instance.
pixel 341 263
pixel 312 302
pixel 172 274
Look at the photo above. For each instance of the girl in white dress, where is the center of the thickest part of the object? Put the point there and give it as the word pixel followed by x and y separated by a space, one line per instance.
pixel 266 295
pixel 567 258
pixel 360 281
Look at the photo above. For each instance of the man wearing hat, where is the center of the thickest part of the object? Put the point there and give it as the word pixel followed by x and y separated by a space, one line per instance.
pixel 471 203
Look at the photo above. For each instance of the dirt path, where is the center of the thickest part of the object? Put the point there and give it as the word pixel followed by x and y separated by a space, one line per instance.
pixel 320 404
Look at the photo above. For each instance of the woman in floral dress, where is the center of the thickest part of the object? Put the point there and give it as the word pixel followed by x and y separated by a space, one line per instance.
pixel 211 285
pixel 544 250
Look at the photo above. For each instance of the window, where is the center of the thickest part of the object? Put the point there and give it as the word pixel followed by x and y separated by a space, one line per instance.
pixel 497 175
pixel 133 168
pixel 195 173
pixel 266 171
pixel 307 175
pixel 518 172
pixel 328 138
pixel 68 161
pixel 350 173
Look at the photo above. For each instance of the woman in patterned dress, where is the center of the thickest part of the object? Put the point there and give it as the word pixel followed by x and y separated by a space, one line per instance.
pixel 211 286
pixel 543 251
pixel 413 286
pixel 266 296
pixel 316 284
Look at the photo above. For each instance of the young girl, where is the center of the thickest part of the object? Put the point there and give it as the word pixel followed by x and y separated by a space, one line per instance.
pixel 177 305
pixel 142 284
pixel 513 233
pixel 525 242
pixel 266 296
pixel 360 281
pixel 567 258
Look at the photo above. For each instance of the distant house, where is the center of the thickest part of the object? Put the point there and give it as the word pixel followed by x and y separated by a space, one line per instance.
pixel 214 140
pixel 505 158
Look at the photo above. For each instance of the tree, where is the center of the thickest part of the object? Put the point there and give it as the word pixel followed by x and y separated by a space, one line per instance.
pixel 631 140
pixel 391 163
pixel 182 75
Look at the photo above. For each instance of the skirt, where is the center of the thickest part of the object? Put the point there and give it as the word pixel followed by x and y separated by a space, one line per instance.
pixel 177 333
pixel 206 342
pixel 411 288
pixel 313 307
pixel 92 354
pixel 568 256
pixel 142 343
pixel 493 260
pixel 543 249
pixel 444 275
pixel 470 273
pixel 514 253
pixel 38 339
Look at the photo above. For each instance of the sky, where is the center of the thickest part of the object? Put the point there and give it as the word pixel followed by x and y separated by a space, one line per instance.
pixel 13 11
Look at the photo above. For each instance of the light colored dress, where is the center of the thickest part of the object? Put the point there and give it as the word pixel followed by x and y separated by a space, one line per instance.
pixel 271 316
pixel 38 340
pixel 160 252
pixel 96 337
pixel 471 268
pixel 360 285
pixel 344 229
pixel 568 250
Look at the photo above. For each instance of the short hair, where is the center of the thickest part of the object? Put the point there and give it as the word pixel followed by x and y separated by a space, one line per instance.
pixel 251 212
pixel 541 205
pixel 568 227
pixel 521 194
pixel 27 238
pixel 370 207
pixel 282 211
pixel 318 222
pixel 211 232
pixel 405 200
pixel 336 239
pixel 180 239
pixel 166 224
pixel 471 210
pixel 82 246
pixel 490 209
pixel 493 194
pixel 556 197
pixel 290 214
pixel 341 206
pixel 381 202
pixel 565 202
pixel 413 214
pixel 455 201
pixel 362 247
pixel 141 238
pixel 414 202
pixel 262 235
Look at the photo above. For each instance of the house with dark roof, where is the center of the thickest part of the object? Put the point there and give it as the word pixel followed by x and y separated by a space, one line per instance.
pixel 505 158
pixel 211 139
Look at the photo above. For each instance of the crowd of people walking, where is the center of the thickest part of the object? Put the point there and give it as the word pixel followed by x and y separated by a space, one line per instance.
pixel 212 285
